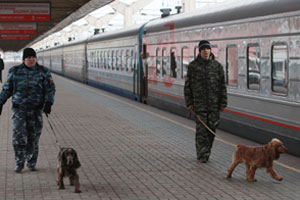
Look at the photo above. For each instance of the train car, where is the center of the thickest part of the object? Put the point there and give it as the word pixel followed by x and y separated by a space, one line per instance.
pixel 40 57
pixel 57 60
pixel 74 61
pixel 258 44
pixel 46 61
pixel 113 64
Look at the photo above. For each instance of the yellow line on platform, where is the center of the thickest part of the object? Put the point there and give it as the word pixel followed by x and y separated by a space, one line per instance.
pixel 165 118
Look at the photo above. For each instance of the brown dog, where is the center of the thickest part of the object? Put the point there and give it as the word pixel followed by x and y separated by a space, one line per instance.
pixel 257 157
pixel 68 163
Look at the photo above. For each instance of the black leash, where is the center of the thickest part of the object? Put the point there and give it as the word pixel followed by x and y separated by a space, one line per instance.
pixel 57 142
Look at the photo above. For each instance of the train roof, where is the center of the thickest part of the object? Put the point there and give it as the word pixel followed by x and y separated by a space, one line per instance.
pixel 126 32
pixel 224 13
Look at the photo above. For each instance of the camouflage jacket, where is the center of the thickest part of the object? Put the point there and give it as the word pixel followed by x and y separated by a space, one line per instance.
pixel 29 87
pixel 205 87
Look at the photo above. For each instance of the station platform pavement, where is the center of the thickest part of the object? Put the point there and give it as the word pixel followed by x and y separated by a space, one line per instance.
pixel 131 151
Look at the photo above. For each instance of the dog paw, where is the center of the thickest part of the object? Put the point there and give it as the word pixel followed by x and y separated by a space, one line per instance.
pixel 77 191
pixel 280 178
pixel 61 188
pixel 251 180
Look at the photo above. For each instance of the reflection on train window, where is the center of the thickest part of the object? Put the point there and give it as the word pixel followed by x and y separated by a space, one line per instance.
pixel 108 59
pixel 113 60
pixel 98 59
pixel 122 60
pixel 92 59
pixel 105 59
pixel 116 64
pixel 95 59
pixel 184 61
pixel 102 59
pixel 173 63
pixel 89 60
pixel 158 62
pixel 253 67
pixel 132 61
pixel 127 60
pixel 279 68
pixel 164 62
pixel 231 65
pixel 215 52
pixel 196 52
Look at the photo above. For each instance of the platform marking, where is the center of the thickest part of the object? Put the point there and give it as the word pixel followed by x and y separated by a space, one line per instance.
pixel 93 89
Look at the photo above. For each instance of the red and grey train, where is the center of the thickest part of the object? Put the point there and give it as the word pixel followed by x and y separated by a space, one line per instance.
pixel 257 42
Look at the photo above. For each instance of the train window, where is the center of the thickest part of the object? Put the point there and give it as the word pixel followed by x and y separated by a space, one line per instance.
pixel 101 59
pixel 184 61
pixel 108 60
pixel 117 60
pixel 253 67
pixel 97 60
pixel 196 52
pixel 279 68
pixel 104 59
pixel 173 63
pixel 215 52
pixel 132 61
pixel 113 60
pixel 164 62
pixel 232 65
pixel 122 60
pixel 127 61
pixel 89 61
pixel 157 62
pixel 92 60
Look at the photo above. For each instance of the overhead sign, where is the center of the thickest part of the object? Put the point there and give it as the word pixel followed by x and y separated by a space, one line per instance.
pixel 24 12
pixel 15 37
pixel 17 28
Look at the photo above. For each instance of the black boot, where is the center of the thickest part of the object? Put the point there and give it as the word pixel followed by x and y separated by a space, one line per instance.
pixel 19 168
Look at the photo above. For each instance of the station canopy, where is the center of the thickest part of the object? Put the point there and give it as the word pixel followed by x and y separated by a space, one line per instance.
pixel 25 22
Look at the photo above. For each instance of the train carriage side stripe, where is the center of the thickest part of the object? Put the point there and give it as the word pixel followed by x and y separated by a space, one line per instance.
pixel 263 119
pixel 239 113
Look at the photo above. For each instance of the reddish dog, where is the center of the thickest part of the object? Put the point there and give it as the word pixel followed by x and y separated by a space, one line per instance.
pixel 257 157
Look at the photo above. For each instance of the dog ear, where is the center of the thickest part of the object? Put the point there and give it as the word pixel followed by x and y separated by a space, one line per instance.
pixel 76 163
pixel 273 147
pixel 62 157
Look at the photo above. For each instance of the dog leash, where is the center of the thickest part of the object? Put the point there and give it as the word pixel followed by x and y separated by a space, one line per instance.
pixel 57 142
pixel 202 122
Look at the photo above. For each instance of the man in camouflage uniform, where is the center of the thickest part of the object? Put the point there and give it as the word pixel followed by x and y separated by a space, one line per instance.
pixel 205 94
pixel 32 90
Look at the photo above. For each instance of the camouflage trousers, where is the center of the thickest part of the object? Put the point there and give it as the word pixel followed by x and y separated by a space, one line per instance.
pixel 205 139
pixel 27 128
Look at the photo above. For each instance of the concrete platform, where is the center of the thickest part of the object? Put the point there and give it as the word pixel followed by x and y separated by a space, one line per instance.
pixel 131 151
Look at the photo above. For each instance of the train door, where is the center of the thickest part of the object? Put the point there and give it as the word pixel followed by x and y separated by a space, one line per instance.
pixel 85 64
pixel 133 70
pixel 144 80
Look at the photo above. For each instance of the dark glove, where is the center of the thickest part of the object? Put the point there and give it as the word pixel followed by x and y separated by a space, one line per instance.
pixel 1 108
pixel 47 108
